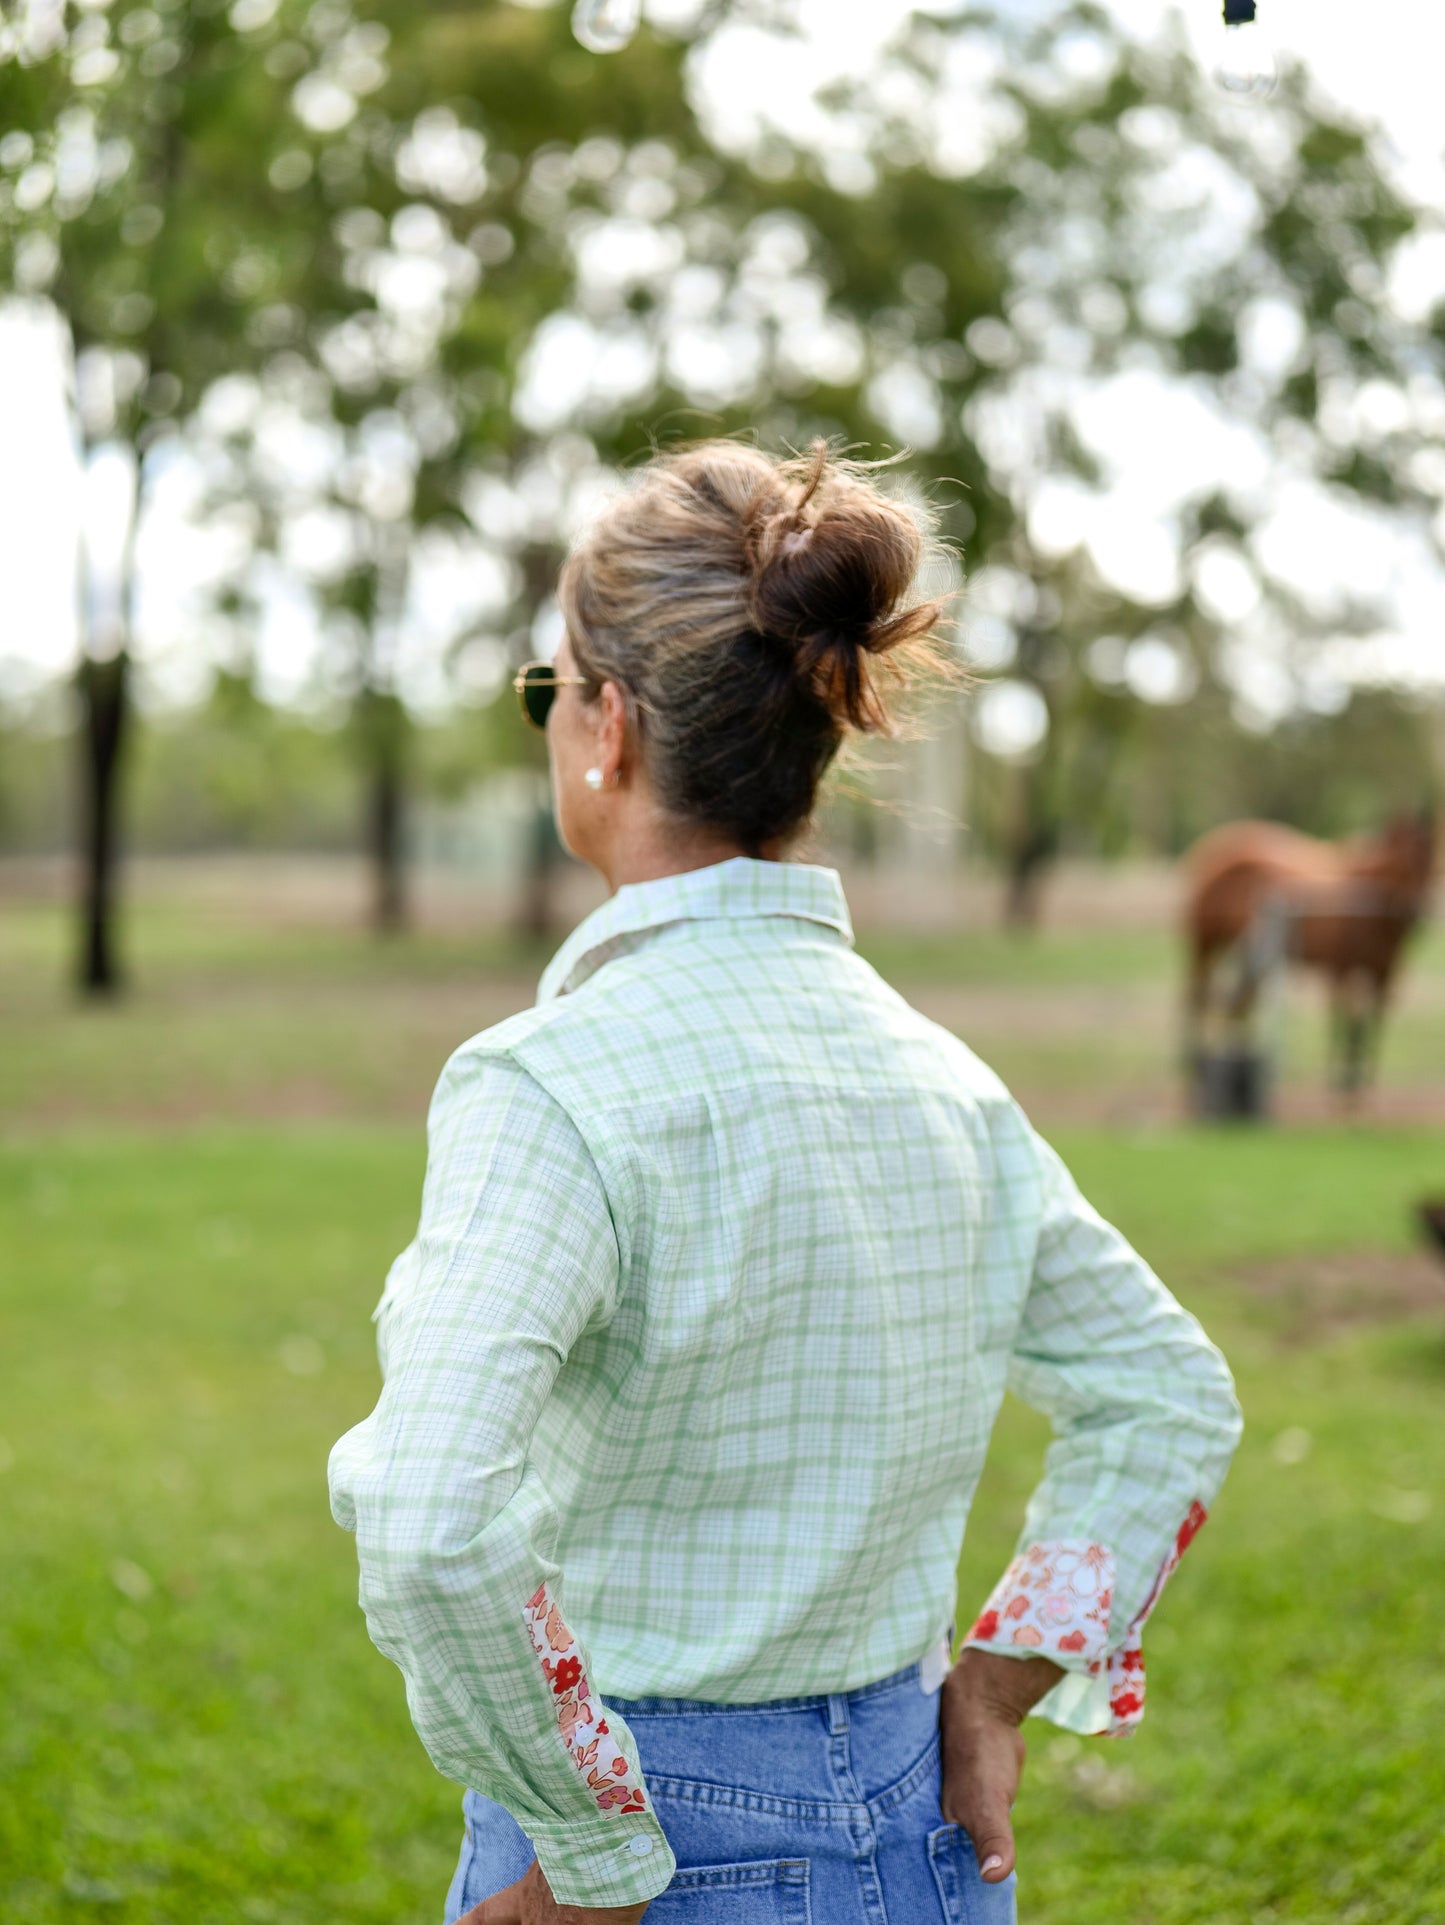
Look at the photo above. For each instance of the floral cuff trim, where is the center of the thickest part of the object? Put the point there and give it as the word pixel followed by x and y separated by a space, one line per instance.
pixel 1126 1665
pixel 1054 1600
pixel 580 1715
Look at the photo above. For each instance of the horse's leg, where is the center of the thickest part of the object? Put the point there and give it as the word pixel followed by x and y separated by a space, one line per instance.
pixel 1354 1035
pixel 1338 1049
pixel 1240 1005
pixel 1377 997
pixel 1196 1004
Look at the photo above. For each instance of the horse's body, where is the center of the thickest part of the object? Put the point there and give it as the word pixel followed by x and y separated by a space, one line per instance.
pixel 1261 893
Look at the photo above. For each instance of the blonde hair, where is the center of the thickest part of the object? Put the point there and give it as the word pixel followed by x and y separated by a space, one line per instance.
pixel 755 612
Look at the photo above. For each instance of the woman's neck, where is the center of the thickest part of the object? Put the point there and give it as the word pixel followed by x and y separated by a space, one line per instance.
pixel 637 840
pixel 653 849
pixel 646 864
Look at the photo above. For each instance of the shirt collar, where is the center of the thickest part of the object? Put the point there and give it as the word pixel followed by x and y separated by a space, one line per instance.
pixel 740 887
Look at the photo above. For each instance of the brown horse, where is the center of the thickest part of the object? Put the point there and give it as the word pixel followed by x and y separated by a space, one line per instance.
pixel 1260 893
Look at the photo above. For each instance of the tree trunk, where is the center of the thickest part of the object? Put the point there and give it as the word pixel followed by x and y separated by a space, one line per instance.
pixel 389 901
pixel 1032 847
pixel 104 694
pixel 1032 833
pixel 1021 899
pixel 384 735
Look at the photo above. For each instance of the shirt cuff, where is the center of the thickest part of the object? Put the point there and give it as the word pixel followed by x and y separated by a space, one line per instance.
pixel 608 1861
pixel 1054 1601
pixel 621 1856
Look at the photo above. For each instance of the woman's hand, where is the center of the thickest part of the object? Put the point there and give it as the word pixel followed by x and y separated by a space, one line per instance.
pixel 985 1700
pixel 530 1902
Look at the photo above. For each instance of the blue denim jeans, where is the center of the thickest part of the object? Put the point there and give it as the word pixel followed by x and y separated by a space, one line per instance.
pixel 804 1811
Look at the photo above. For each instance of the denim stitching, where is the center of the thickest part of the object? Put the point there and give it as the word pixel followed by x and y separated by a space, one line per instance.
pixel 772 1871
pixel 899 1793
pixel 697 1791
pixel 630 1708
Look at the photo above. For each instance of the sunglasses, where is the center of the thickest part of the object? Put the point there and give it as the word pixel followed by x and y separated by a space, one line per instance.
pixel 537 685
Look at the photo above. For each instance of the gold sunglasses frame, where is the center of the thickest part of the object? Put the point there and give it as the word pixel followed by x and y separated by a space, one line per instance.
pixel 524 680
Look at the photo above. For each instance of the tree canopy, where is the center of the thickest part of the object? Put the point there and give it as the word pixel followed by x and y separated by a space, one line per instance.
pixel 399 286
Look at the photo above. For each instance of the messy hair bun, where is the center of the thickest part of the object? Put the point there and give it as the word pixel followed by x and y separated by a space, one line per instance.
pixel 755 612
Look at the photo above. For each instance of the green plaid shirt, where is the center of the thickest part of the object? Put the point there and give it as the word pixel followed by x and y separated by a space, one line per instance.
pixel 726 1256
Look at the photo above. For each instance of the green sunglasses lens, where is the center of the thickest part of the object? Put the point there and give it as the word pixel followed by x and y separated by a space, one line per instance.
pixel 539 691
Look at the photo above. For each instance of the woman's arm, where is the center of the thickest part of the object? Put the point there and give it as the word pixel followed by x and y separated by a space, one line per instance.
pixel 1145 1422
pixel 514 1259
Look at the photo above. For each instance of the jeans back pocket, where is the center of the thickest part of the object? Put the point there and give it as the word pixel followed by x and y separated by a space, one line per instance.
pixel 762 1892
pixel 967 1900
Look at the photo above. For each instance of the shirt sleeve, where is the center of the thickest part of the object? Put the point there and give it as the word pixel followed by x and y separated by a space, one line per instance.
pixel 514 1259
pixel 1145 1422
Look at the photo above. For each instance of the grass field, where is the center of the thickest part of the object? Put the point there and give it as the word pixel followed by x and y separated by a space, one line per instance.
pixel 199 1194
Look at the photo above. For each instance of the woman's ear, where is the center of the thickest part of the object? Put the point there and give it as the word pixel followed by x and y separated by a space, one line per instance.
pixel 612 729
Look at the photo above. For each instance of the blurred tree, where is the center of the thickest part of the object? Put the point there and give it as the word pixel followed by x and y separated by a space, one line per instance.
pixel 1004 236
pixel 442 215
pixel 146 162
pixel 1153 233
pixel 411 279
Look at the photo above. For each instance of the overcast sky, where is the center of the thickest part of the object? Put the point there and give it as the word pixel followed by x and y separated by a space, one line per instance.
pixel 1383 61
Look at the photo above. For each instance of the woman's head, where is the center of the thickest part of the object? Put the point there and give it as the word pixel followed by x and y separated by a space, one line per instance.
pixel 734 618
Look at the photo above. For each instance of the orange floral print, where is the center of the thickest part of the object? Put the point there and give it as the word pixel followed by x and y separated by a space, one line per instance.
pixel 582 1727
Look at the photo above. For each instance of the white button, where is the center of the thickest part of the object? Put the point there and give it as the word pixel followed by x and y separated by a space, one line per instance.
pixel 639 1846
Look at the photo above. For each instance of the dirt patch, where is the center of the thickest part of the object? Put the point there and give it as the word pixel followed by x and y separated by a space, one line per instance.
pixel 1326 1295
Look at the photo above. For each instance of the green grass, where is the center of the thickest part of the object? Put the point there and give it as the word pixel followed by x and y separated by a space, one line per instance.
pixel 195 1726
pixel 986 957
pixel 223 1747
pixel 228 1016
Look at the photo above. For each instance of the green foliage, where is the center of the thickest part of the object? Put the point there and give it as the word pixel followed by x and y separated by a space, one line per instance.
pixel 1340 774
pixel 241 774
pixel 1123 775
pixel 238 773
pixel 34 790
pixel 148 210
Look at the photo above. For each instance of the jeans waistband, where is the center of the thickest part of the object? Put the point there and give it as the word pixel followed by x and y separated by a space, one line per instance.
pixel 925 1675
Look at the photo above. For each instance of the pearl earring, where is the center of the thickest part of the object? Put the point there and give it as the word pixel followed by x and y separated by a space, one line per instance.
pixel 593 779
